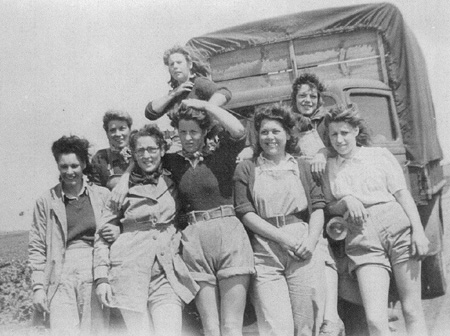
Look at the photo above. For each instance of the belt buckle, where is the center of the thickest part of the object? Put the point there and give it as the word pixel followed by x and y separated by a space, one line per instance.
pixel 206 216
pixel 191 218
pixel 281 220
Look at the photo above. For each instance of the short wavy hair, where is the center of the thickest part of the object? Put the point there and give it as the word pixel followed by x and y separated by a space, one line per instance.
pixel 73 145
pixel 199 65
pixel 350 115
pixel 311 80
pixel 202 119
pixel 151 130
pixel 283 115
pixel 116 115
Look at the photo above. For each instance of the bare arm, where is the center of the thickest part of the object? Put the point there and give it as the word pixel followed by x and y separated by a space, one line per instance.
pixel 159 104
pixel 308 244
pixel 225 118
pixel 419 243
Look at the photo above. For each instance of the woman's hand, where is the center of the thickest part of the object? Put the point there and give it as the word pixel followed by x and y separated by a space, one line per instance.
pixel 110 232
pixel 184 87
pixel 318 164
pixel 104 294
pixel 306 248
pixel 420 245
pixel 120 191
pixel 355 209
pixel 40 301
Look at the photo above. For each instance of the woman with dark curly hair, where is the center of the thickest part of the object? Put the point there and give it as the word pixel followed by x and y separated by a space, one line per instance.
pixel 215 246
pixel 188 79
pixel 278 201
pixel 142 273
pixel 385 235
pixel 61 243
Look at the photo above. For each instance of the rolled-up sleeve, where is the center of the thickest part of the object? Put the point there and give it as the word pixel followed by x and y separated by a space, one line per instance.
pixel 101 246
pixel 243 201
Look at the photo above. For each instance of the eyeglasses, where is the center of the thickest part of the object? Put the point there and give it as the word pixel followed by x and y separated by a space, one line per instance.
pixel 150 150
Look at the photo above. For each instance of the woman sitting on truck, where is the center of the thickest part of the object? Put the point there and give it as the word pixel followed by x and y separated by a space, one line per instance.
pixel 385 235
pixel 278 201
pixel 307 105
pixel 188 79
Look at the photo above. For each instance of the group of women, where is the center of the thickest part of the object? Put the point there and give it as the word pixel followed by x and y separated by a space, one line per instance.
pixel 192 225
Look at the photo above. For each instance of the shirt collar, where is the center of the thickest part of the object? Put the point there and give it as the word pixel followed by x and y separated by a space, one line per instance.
pixel 83 191
pixel 288 160
pixel 355 158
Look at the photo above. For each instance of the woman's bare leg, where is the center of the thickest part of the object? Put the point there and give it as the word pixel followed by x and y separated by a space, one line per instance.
pixel 373 283
pixel 408 279
pixel 207 302
pixel 233 296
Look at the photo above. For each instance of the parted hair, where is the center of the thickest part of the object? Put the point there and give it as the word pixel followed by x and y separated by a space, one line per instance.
pixel 199 66
pixel 350 115
pixel 283 115
pixel 73 145
pixel 150 130
pixel 116 115
pixel 189 113
pixel 311 80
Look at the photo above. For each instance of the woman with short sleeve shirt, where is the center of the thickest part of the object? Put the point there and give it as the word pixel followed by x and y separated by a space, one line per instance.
pixel 385 234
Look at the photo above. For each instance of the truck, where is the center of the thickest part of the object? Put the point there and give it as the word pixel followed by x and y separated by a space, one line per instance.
pixel 365 54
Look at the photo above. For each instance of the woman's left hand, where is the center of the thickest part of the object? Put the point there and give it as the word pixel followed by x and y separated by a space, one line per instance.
pixel 420 245
pixel 306 248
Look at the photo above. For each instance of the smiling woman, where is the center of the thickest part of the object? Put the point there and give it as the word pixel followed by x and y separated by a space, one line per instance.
pixel 61 243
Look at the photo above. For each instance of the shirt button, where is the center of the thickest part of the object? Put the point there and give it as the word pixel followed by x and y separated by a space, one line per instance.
pixel 154 238
pixel 162 253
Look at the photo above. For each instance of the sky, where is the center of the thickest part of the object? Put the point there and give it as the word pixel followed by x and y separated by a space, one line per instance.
pixel 64 63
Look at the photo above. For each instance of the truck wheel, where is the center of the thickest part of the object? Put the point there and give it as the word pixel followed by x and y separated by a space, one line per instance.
pixel 434 283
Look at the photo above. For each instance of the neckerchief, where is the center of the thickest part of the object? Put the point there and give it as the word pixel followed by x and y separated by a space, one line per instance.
pixel 137 176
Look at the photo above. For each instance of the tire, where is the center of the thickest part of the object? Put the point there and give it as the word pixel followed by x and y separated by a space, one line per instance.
pixel 434 283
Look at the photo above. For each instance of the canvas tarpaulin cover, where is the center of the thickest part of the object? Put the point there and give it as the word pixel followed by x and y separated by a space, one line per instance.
pixel 407 74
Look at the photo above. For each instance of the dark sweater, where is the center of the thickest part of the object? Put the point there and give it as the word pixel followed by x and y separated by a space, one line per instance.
pixel 203 89
pixel 210 184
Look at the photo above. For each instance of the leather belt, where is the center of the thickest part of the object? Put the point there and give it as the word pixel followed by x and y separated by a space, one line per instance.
pixel 282 220
pixel 199 216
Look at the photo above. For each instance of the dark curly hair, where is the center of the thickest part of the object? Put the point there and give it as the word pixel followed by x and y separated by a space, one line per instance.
pixel 348 114
pixel 116 115
pixel 199 66
pixel 151 130
pixel 200 117
pixel 283 115
pixel 73 145
pixel 312 81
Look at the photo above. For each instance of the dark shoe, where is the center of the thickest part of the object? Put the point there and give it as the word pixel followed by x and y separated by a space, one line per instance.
pixel 329 328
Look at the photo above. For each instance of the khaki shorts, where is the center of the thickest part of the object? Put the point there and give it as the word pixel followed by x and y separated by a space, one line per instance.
pixel 217 249
pixel 384 239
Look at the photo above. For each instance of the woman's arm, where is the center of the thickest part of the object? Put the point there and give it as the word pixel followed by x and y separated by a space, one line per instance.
pixel 37 256
pixel 419 242
pixel 308 245
pixel 225 118
pixel 159 105
pixel 259 226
